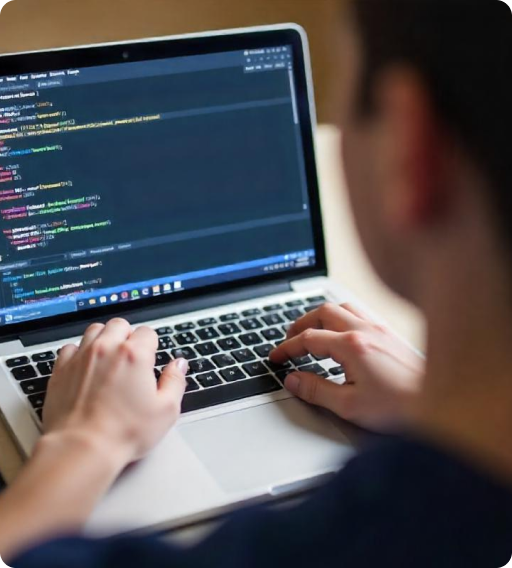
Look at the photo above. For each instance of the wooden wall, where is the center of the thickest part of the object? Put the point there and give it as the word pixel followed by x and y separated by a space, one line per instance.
pixel 39 24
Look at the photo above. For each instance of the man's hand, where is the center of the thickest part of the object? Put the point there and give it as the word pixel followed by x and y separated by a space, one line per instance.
pixel 107 389
pixel 104 409
pixel 383 374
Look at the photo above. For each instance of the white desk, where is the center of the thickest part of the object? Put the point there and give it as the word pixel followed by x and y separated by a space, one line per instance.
pixel 346 261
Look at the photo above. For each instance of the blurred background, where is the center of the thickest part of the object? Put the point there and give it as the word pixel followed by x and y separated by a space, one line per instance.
pixel 39 24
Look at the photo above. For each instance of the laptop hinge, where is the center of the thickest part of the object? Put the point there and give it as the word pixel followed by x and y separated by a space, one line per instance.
pixel 158 312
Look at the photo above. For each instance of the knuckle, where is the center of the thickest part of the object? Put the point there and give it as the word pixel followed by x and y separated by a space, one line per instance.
pixel 357 342
pixel 98 349
pixel 381 329
pixel 120 322
pixel 129 351
pixel 328 310
pixel 150 331
pixel 308 335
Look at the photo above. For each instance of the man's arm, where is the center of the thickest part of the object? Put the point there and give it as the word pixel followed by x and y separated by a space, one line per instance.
pixel 98 398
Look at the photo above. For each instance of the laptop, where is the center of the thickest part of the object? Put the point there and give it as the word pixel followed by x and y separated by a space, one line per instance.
pixel 172 182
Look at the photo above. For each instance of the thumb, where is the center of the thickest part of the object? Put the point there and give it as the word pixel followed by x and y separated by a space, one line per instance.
pixel 172 381
pixel 315 390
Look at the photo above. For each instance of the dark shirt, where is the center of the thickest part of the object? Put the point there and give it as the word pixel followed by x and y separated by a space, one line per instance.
pixel 400 504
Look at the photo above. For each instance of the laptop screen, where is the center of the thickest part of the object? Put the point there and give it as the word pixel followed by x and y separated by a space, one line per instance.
pixel 127 181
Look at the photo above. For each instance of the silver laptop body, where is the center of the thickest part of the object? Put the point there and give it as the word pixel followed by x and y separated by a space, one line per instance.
pixel 171 181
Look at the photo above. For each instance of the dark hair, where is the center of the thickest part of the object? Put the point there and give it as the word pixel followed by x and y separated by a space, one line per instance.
pixel 463 51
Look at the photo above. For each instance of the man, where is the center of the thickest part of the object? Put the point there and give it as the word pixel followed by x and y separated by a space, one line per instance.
pixel 426 114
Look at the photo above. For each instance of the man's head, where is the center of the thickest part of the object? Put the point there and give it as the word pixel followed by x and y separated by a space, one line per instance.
pixel 427 121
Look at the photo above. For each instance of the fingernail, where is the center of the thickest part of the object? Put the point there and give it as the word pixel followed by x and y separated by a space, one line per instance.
pixel 292 383
pixel 182 365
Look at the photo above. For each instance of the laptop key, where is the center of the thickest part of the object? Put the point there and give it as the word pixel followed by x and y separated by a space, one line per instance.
pixel 17 361
pixel 37 400
pixel 46 356
pixel 251 313
pixel 200 366
pixel 294 314
pixel 251 339
pixel 229 343
pixel 223 360
pixel 22 373
pixel 273 319
pixel 281 375
pixel 243 355
pixel 233 374
pixel 35 386
pixel 39 413
pixel 295 303
pixel 337 371
pixel 229 393
pixel 186 338
pixel 320 357
pixel 299 361
pixel 272 334
pixel 186 326
pixel 210 379
pixel 165 342
pixel 316 300
pixel 255 369
pixel 276 367
pixel 206 322
pixel 45 368
pixel 206 349
pixel 157 372
pixel 250 324
pixel 191 385
pixel 162 358
pixel 312 308
pixel 184 353
pixel 164 330
pixel 229 329
pixel 314 368
pixel 207 333
pixel 229 317
pixel 264 350
pixel 273 308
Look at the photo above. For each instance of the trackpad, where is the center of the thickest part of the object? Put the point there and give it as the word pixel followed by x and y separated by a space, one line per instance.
pixel 260 447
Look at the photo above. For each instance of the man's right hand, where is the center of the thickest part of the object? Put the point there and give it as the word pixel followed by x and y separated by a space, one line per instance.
pixel 383 375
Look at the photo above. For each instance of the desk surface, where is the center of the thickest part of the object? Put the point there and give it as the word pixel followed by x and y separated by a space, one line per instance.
pixel 347 263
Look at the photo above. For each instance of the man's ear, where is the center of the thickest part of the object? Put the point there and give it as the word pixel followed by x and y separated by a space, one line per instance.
pixel 412 144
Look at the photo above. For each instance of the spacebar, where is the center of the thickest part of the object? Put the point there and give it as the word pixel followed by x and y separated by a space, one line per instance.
pixel 229 393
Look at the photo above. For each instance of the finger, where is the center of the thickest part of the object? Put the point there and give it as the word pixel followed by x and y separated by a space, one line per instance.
pixel 319 342
pixel 356 312
pixel 91 334
pixel 329 316
pixel 65 355
pixel 172 383
pixel 320 392
pixel 116 331
pixel 145 340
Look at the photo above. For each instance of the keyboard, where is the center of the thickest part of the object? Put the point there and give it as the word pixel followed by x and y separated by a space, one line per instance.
pixel 227 355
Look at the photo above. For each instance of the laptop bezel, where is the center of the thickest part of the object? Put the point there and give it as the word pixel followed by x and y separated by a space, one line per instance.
pixel 176 46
